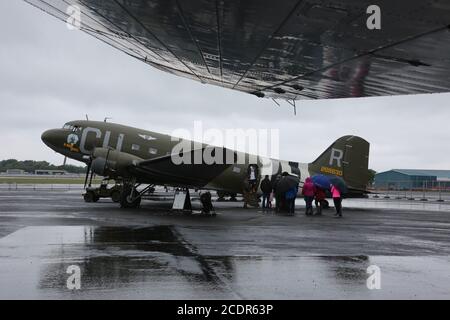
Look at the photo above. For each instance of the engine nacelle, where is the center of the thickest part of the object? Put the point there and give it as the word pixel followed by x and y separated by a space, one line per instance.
pixel 110 162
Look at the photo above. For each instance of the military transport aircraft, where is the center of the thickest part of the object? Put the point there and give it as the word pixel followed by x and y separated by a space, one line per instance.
pixel 137 157
pixel 282 49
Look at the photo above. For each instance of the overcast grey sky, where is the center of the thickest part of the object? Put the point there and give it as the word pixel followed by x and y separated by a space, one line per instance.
pixel 50 75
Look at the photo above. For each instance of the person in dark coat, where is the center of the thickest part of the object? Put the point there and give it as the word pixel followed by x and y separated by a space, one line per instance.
pixel 278 197
pixel 266 188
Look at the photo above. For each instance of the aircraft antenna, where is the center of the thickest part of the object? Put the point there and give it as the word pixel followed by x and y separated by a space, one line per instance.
pixel 292 103
pixel 276 102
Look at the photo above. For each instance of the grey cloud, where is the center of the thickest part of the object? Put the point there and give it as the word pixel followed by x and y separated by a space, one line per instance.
pixel 50 75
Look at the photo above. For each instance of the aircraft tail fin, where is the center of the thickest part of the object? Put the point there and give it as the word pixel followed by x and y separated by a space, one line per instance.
pixel 347 157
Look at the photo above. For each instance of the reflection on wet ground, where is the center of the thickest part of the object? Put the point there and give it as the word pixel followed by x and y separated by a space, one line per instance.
pixel 402 204
pixel 158 262
pixel 244 254
pixel 121 255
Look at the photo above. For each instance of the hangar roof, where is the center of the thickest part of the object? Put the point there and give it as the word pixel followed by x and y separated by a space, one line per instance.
pixel 418 172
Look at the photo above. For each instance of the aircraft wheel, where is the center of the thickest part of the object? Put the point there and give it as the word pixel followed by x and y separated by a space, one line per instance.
pixel 133 204
pixel 115 196
pixel 125 200
pixel 89 196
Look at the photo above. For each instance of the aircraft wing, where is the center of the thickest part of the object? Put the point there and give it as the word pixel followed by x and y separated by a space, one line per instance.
pixel 287 49
pixel 163 170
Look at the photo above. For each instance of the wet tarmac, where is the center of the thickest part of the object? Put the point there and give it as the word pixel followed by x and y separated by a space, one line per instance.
pixel 153 253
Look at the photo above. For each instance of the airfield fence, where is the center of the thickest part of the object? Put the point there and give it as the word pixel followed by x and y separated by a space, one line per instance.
pixel 39 187
pixel 428 190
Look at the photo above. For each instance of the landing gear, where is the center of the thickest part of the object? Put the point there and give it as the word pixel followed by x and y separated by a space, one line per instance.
pixel 131 197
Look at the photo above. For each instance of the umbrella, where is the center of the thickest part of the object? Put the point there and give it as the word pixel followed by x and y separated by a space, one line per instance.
pixel 286 183
pixel 321 181
pixel 324 182
pixel 339 183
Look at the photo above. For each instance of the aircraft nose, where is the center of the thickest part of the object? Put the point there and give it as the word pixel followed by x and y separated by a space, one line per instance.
pixel 50 137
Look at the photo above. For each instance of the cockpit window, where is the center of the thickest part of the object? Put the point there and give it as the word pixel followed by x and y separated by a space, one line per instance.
pixel 73 128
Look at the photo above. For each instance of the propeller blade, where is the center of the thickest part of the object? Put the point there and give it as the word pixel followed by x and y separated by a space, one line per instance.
pixel 64 162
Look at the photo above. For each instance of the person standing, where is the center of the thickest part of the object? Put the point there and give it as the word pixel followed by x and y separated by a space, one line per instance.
pixel 290 197
pixel 252 177
pixel 337 199
pixel 278 197
pixel 266 188
pixel 269 204
pixel 319 199
pixel 245 192
pixel 308 193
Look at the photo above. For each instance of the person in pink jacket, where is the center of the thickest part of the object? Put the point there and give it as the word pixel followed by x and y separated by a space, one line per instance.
pixel 308 192
pixel 337 199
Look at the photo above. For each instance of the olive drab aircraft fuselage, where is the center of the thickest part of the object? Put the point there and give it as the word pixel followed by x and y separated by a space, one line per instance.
pixel 138 156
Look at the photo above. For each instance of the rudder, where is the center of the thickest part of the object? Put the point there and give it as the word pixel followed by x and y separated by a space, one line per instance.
pixel 347 157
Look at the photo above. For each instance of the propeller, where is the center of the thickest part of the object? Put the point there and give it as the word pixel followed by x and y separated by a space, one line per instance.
pixel 93 168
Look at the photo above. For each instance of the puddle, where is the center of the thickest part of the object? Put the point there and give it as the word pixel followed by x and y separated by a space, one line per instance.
pixel 158 263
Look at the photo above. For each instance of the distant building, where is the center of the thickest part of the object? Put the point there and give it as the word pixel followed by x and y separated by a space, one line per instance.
pixel 15 171
pixel 50 172
pixel 412 178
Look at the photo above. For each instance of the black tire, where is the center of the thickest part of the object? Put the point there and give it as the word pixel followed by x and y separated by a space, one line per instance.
pixel 89 196
pixel 125 201
pixel 115 196
pixel 325 204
